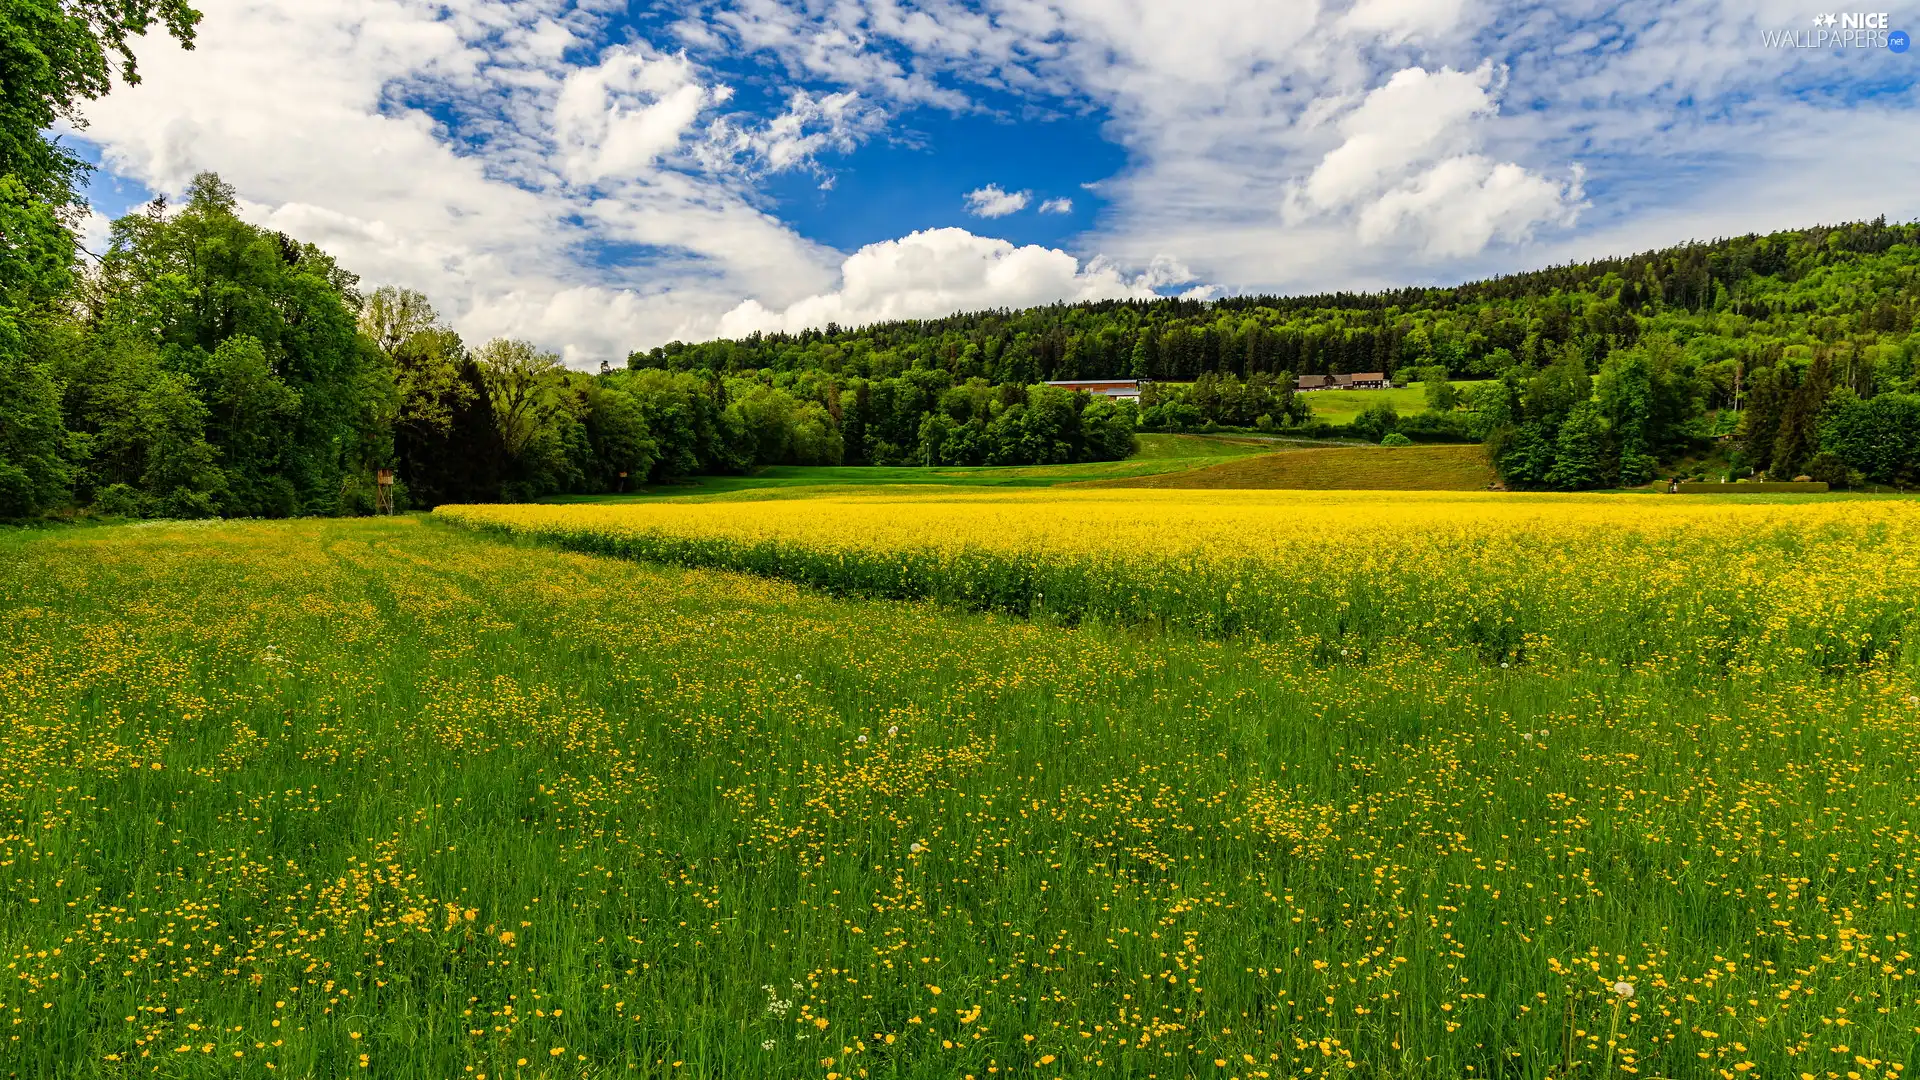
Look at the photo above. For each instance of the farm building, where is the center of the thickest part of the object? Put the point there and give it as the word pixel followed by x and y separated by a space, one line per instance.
pixel 1367 380
pixel 1118 389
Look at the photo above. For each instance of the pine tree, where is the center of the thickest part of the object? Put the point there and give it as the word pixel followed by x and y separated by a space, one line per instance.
pixel 1579 450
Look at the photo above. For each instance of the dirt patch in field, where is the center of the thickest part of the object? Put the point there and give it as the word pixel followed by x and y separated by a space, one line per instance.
pixel 1345 468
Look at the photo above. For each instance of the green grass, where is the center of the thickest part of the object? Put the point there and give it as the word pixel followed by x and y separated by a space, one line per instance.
pixel 295 793
pixel 1355 468
pixel 1341 406
pixel 1155 454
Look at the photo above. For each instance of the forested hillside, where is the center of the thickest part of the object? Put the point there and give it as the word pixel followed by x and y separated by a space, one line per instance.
pixel 207 366
pixel 1797 343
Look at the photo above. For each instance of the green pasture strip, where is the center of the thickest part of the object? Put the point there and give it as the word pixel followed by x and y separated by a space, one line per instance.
pixel 1157 454
pixel 1340 406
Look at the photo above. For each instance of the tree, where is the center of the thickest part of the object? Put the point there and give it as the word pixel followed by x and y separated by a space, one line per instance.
pixel 1879 437
pixel 623 449
pixel 1625 393
pixel 1579 450
pixel 33 470
pixel 1798 438
pixel 521 381
pixel 186 284
pixel 1441 395
pixel 1375 421
pixel 249 407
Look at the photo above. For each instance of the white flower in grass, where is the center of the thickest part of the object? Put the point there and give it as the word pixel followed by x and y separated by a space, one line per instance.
pixel 1624 989
pixel 862 738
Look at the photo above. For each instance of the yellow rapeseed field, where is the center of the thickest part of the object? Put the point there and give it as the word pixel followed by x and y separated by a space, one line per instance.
pixel 1697 582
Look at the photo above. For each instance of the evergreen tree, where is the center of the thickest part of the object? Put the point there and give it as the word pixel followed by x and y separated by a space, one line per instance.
pixel 1579 450
pixel 1799 435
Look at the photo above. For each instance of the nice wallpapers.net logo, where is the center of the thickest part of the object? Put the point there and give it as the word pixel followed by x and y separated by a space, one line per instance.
pixel 1848 30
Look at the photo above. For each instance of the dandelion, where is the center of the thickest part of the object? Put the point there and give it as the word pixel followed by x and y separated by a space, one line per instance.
pixel 861 739
pixel 1624 989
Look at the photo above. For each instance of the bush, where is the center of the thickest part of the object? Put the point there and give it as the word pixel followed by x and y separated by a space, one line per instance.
pixel 1375 421
pixel 1394 438
pixel 120 500
pixel 1827 468
pixel 1436 427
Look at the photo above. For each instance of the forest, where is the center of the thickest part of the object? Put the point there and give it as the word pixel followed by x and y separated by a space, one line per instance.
pixel 205 366
pixel 1794 351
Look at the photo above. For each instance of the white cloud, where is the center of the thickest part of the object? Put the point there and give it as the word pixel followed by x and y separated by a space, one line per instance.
pixel 1405 165
pixel 1416 117
pixel 991 202
pixel 811 124
pixel 1057 206
pixel 95 232
pixel 941 271
pixel 1464 203
pixel 620 118
pixel 1397 20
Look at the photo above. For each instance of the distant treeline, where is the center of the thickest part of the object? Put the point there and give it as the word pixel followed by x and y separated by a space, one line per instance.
pixel 1603 372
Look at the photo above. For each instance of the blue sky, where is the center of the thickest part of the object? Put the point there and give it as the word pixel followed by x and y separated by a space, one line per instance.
pixel 599 176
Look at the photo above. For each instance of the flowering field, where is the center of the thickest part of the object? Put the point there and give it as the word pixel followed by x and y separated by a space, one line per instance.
pixel 388 799
pixel 1692 583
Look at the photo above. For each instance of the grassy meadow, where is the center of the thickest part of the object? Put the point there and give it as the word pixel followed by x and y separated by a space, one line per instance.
pixel 1341 406
pixel 1155 454
pixel 1523 787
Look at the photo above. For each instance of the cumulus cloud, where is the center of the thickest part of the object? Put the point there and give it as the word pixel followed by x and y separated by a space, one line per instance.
pixel 620 117
pixel 1464 203
pixel 1057 206
pixel 940 271
pixel 1403 163
pixel 991 202
pixel 1416 117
